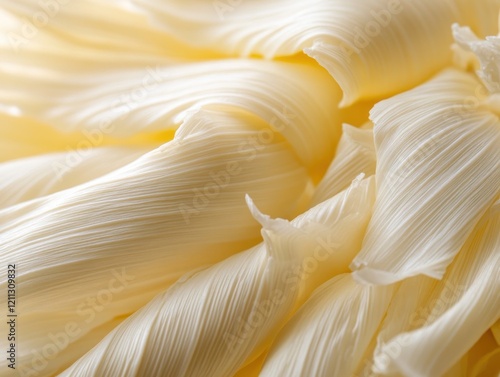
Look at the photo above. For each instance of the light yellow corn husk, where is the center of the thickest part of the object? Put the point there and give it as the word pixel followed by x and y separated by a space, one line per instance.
pixel 296 100
pixel 438 171
pixel 450 315
pixel 101 244
pixel 22 137
pixel 134 231
pixel 355 154
pixel 329 334
pixel 208 324
pixel 485 55
pixel 362 44
pixel 33 177
pixel 86 34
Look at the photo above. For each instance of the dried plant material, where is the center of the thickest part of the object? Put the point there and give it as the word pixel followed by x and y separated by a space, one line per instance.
pixel 328 335
pixel 86 33
pixel 362 44
pixel 136 230
pixel 28 178
pixel 458 310
pixel 355 155
pixel 132 101
pixel 487 56
pixel 133 134
pixel 328 236
pixel 438 171
pixel 237 306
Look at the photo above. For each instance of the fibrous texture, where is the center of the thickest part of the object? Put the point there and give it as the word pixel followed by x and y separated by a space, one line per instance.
pixel 241 305
pixel 243 188
pixel 418 195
